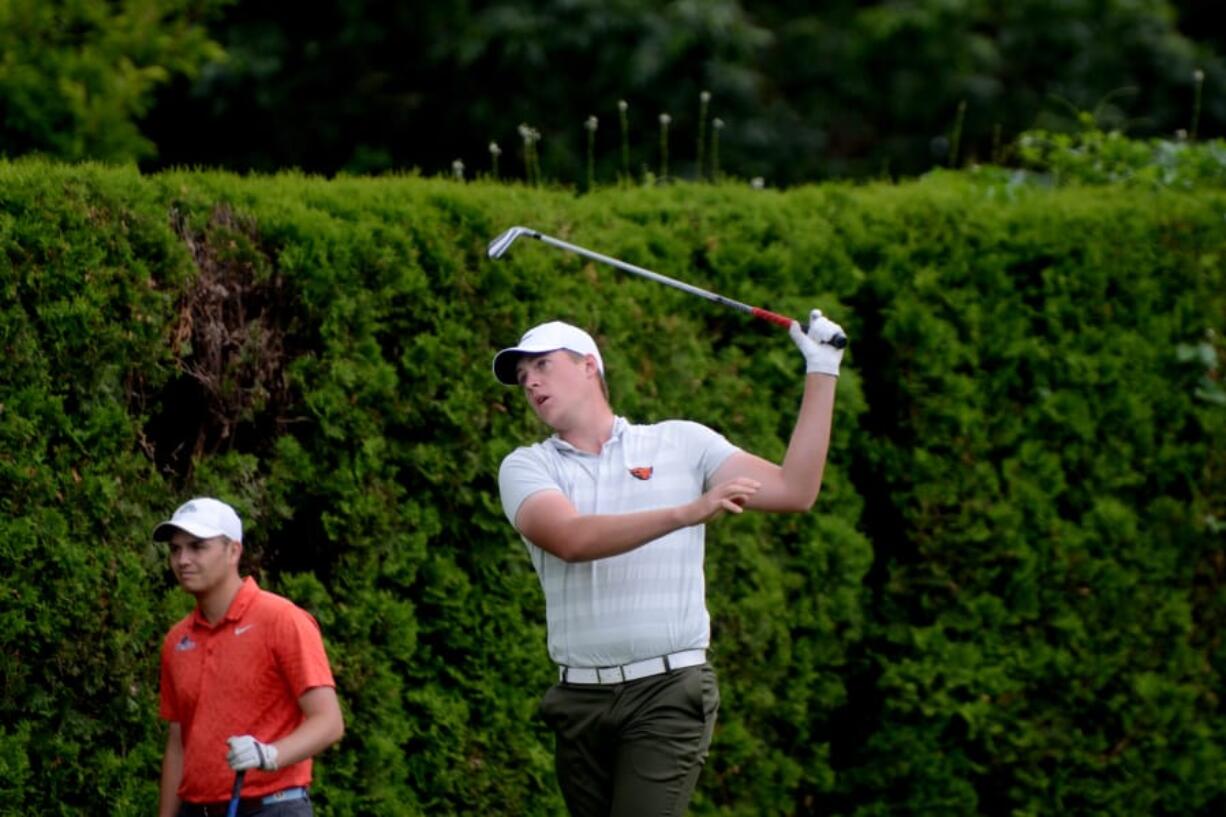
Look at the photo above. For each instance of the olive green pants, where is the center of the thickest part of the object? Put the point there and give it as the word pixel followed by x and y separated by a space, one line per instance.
pixel 632 749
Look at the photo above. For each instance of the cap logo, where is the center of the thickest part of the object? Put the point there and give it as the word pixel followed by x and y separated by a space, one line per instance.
pixel 189 508
pixel 643 472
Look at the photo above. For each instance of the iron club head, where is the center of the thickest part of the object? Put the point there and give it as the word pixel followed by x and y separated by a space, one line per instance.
pixel 499 246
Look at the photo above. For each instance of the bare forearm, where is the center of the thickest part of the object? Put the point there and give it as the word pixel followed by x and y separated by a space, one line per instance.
pixel 575 538
pixel 599 536
pixel 805 461
pixel 172 774
pixel 313 735
pixel 792 486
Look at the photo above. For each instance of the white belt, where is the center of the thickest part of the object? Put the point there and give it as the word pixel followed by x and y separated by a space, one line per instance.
pixel 632 672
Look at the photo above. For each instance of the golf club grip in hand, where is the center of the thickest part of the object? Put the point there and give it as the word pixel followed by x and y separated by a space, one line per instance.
pixel 838 341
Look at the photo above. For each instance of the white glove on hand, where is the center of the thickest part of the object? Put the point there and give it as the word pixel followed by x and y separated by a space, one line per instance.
pixel 248 753
pixel 819 357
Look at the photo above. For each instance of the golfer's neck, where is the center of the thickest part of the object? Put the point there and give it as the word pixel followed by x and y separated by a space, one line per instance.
pixel 215 602
pixel 591 431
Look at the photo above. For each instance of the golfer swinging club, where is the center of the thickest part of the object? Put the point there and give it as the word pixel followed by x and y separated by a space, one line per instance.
pixel 246 684
pixel 613 517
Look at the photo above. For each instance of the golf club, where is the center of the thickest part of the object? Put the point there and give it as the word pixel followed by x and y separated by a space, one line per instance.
pixel 232 809
pixel 499 246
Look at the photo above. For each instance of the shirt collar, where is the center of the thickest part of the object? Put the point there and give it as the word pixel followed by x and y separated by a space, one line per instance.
pixel 246 594
pixel 619 427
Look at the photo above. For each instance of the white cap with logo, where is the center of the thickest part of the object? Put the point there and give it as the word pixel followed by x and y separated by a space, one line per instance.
pixel 548 337
pixel 203 517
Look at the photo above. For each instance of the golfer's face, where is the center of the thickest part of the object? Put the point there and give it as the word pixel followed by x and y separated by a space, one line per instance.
pixel 551 382
pixel 200 564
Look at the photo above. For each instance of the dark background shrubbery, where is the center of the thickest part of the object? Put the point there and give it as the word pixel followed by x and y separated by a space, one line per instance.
pixel 1008 601
pixel 804 91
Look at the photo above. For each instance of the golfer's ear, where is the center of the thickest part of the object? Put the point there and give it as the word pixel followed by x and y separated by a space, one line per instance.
pixel 236 551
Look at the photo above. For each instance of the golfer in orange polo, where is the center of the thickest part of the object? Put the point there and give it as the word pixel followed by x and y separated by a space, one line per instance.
pixel 246 683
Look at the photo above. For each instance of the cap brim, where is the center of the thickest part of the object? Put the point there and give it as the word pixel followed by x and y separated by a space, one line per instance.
pixel 504 366
pixel 164 531
pixel 507 361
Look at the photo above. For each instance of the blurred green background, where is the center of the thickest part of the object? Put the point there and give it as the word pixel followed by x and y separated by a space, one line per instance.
pixel 804 91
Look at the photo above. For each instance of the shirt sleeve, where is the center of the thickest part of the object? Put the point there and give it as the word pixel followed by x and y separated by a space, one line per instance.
pixel 709 448
pixel 522 474
pixel 299 648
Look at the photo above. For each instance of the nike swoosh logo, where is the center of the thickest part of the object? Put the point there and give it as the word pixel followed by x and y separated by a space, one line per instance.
pixel 241 630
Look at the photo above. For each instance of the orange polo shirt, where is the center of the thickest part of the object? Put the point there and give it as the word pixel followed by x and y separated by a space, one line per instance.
pixel 241 677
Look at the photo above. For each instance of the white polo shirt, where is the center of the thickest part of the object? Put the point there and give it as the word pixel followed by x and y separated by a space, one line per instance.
pixel 650 601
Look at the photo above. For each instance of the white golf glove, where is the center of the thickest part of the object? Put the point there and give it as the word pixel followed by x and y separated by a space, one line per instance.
pixel 248 753
pixel 819 357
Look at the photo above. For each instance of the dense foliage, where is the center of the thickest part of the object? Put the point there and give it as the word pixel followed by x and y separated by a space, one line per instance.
pixel 804 91
pixel 76 78
pixel 1009 600
pixel 1091 157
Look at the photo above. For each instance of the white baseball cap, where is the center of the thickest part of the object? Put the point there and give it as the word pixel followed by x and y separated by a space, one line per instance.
pixel 203 517
pixel 548 337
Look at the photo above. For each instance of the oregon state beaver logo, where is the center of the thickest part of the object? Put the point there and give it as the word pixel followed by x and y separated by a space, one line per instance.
pixel 641 473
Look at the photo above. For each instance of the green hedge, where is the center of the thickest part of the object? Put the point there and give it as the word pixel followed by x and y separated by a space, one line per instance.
pixel 1050 456
pixel 1009 600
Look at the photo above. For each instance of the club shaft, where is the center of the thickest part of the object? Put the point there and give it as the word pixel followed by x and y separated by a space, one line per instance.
pixel 499 246
pixel 232 808
pixel 646 273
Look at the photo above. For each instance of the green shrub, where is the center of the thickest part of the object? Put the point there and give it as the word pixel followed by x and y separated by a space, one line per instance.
pixel 1006 601
pixel 1093 156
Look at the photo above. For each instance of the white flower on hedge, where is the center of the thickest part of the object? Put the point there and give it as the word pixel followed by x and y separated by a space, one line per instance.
pixel 591 124
pixel 457 169
pixel 757 182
